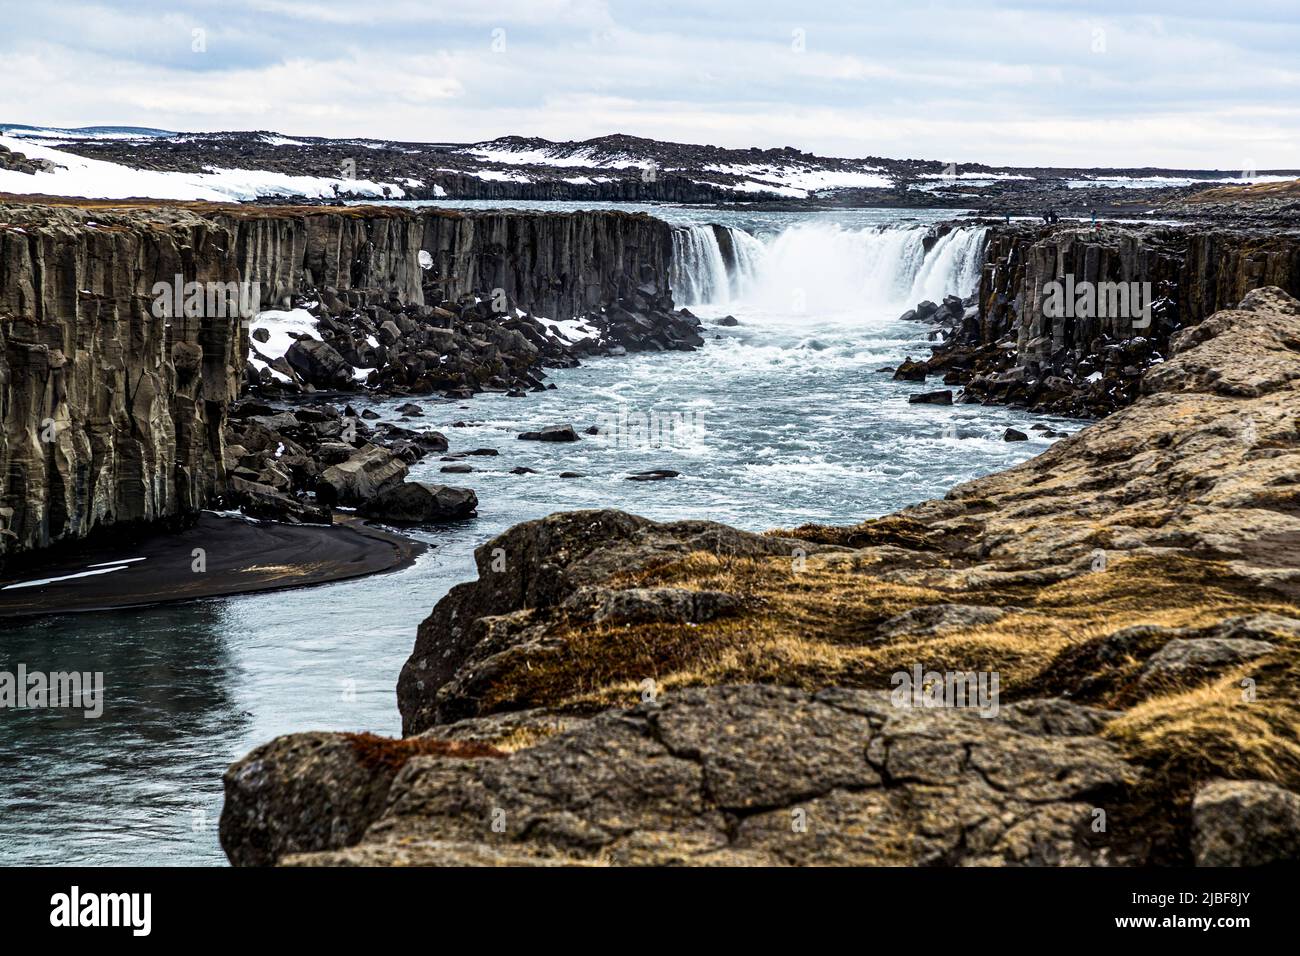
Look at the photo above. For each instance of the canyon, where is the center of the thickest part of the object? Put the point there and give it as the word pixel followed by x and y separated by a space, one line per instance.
pixel 613 689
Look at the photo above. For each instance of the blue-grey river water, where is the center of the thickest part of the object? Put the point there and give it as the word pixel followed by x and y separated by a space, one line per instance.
pixel 781 419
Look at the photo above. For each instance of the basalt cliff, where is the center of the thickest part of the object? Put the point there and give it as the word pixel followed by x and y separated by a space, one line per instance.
pixel 1013 343
pixel 114 415
pixel 612 690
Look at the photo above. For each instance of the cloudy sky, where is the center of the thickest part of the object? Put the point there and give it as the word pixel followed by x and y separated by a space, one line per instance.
pixel 1182 83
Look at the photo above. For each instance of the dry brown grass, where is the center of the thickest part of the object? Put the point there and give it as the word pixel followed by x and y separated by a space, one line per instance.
pixel 818 627
pixel 390 754
pixel 1248 193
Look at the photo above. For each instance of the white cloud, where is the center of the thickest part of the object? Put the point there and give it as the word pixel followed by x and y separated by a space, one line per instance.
pixel 1185 84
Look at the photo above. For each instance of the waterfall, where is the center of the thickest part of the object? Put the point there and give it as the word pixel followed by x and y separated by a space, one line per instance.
pixel 699 272
pixel 824 268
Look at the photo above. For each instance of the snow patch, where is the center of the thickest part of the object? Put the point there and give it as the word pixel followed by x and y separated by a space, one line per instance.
pixel 100 179
pixel 799 181
pixel 279 324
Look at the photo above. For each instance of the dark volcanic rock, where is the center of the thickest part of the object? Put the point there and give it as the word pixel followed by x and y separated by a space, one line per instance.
pixel 414 502
pixel 551 433
pixel 108 416
pixel 1245 823
pixel 319 364
pixel 658 474
pixel 941 397
pixel 909 371
pixel 1007 348
pixel 363 476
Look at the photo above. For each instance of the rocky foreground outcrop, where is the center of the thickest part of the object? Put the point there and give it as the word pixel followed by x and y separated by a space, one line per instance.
pixel 1092 658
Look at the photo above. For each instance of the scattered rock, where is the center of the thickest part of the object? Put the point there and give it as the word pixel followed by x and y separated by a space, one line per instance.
pixel 910 371
pixel 1245 823
pixel 551 433
pixel 940 397
pixel 657 474
pixel 413 502
pixel 319 364
pixel 368 472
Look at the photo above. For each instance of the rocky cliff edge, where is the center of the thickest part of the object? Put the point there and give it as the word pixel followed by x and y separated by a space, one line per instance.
pixel 615 691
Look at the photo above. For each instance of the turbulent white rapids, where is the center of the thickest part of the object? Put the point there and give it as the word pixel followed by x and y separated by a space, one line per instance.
pixel 824 268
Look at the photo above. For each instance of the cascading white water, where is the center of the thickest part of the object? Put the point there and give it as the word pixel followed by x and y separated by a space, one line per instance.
pixel 699 273
pixel 825 269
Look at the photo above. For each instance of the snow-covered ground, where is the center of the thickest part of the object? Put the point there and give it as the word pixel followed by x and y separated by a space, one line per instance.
pixel 497 176
pixel 278 324
pixel 800 181
pixel 571 329
pixel 99 179
pixel 1161 182
pixel 556 156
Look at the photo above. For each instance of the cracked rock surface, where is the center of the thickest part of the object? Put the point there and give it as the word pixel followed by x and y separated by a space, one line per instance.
pixel 752 775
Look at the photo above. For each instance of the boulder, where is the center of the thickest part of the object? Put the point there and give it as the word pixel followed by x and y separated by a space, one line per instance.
pixel 728 775
pixel 319 364
pixel 551 433
pixel 940 397
pixel 909 371
pixel 1184 659
pixel 368 472
pixel 413 502
pixel 936 618
pixel 1245 823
